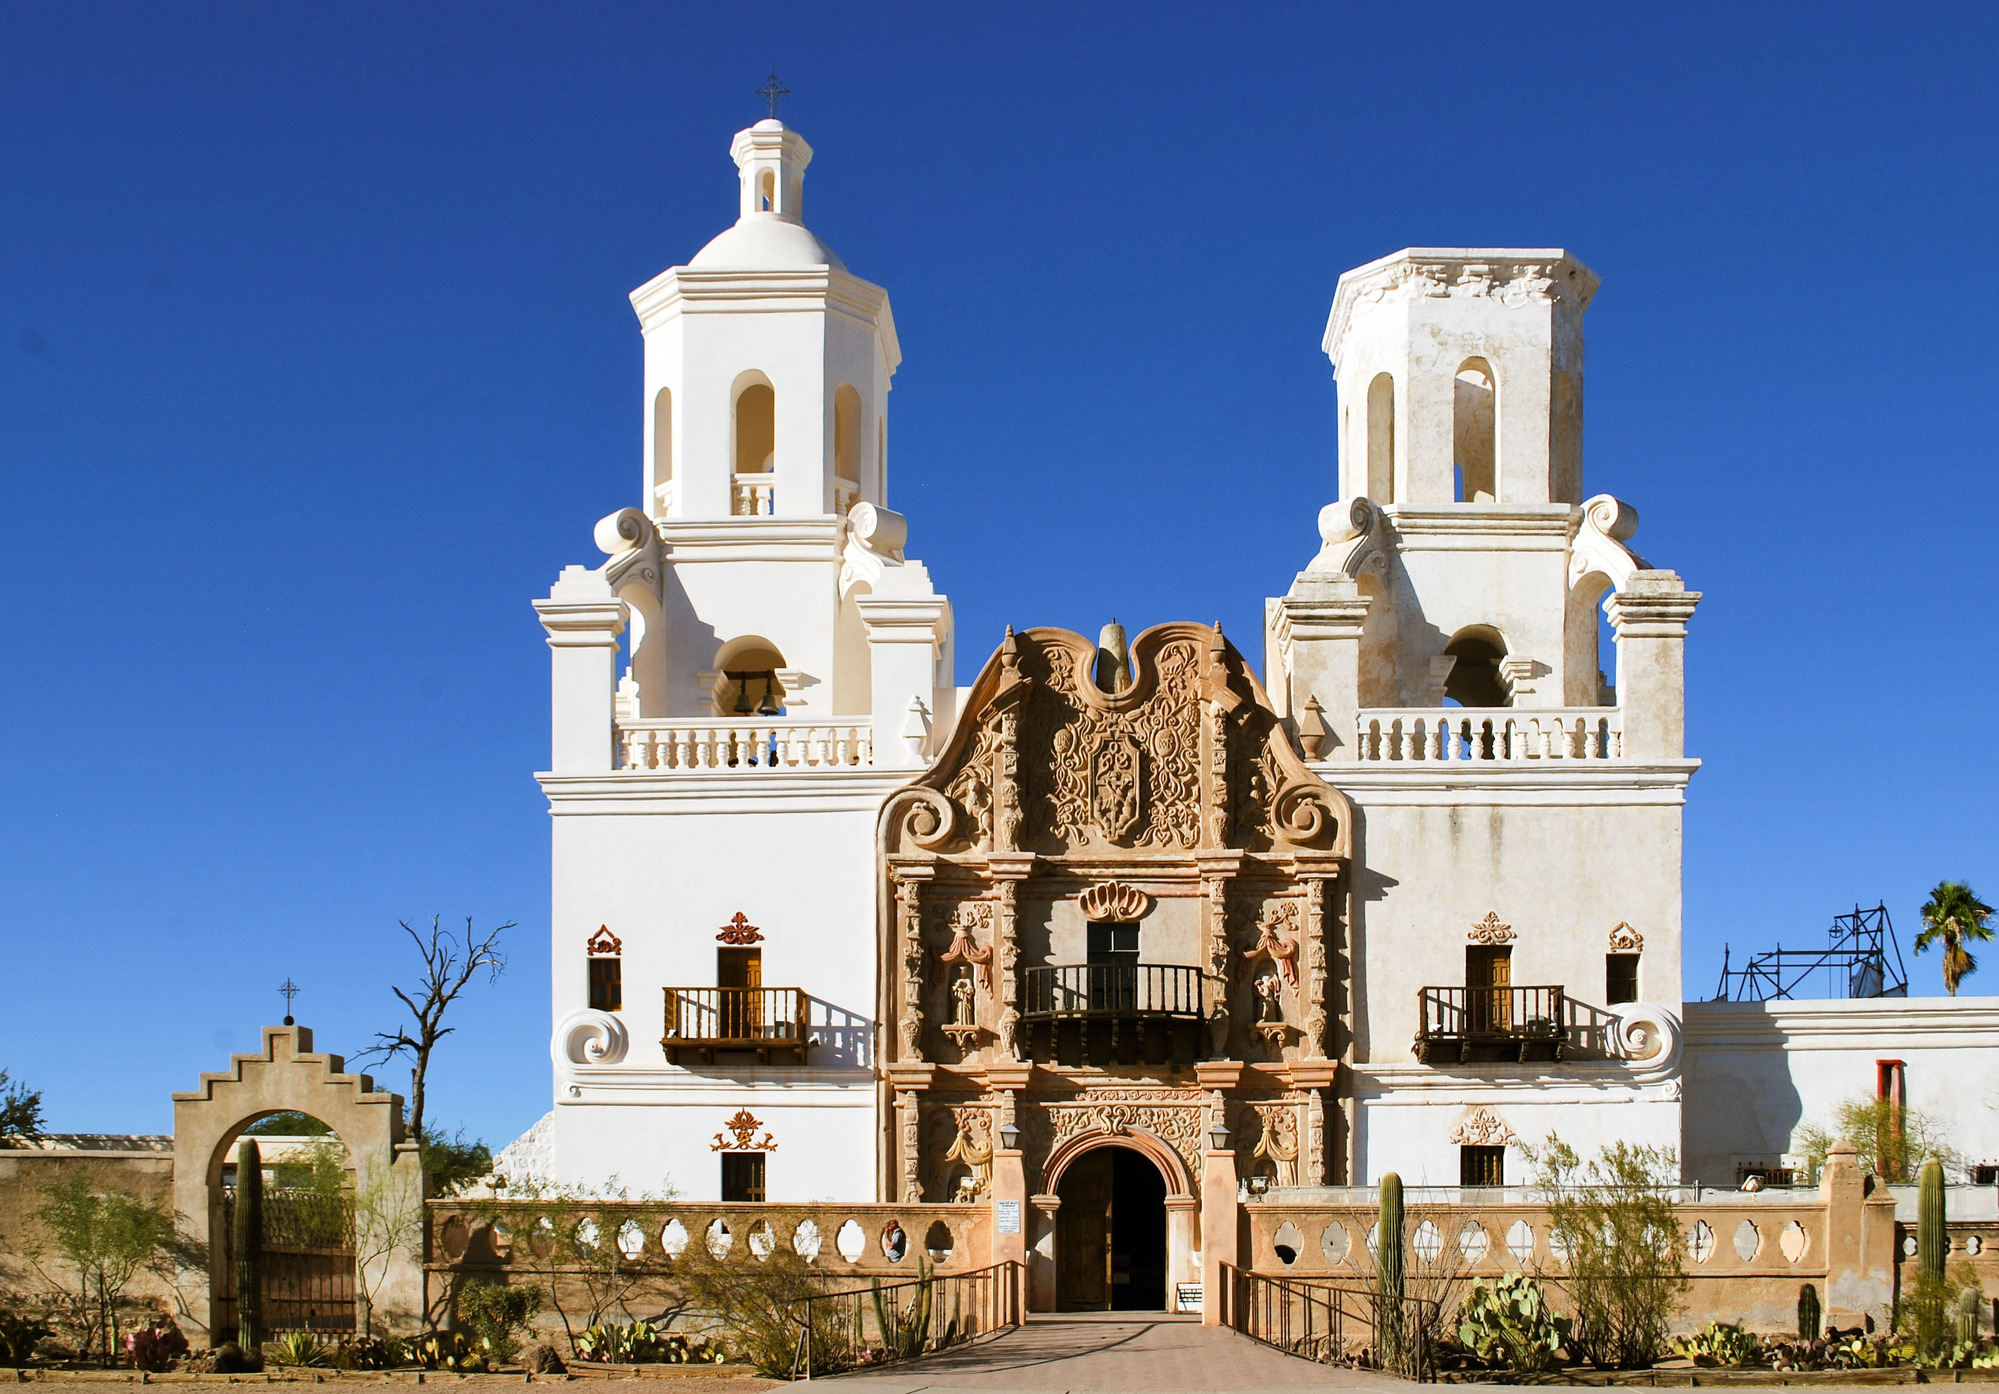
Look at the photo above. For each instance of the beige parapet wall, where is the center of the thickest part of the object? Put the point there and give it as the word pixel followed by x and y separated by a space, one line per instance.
pixel 1748 1254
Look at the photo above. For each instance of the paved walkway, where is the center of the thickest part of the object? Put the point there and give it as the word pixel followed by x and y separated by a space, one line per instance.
pixel 1114 1350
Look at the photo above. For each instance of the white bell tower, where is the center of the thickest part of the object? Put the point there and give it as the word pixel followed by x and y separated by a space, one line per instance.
pixel 761 580
pixel 767 363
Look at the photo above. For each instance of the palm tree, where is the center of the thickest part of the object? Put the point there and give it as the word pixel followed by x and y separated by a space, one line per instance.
pixel 1952 916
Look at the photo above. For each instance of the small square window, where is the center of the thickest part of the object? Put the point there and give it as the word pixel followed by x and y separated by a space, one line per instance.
pixel 1620 978
pixel 1985 1174
pixel 1481 1166
pixel 607 984
pixel 742 1176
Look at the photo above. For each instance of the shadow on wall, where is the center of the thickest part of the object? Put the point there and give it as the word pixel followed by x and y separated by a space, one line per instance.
pixel 1741 1096
pixel 843 1038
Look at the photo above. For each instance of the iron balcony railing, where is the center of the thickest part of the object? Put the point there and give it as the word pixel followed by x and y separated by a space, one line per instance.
pixel 763 1019
pixel 1469 1023
pixel 1080 990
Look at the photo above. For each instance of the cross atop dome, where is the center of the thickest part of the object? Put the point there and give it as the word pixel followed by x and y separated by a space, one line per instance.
pixel 772 91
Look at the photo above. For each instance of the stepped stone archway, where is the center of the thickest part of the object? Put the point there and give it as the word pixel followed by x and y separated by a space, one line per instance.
pixel 288 1076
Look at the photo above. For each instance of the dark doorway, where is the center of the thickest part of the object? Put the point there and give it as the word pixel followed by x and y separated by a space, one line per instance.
pixel 1110 1234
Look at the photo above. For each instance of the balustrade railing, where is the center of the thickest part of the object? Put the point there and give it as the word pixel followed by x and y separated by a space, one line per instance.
pixel 742 746
pixel 1508 734
pixel 763 1019
pixel 1519 1020
pixel 1112 989
pixel 846 493
pixel 753 496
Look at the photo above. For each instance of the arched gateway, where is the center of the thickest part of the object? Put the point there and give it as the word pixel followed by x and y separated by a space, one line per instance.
pixel 1111 915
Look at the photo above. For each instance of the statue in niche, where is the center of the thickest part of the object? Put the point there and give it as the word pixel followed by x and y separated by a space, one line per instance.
pixel 962 995
pixel 1269 990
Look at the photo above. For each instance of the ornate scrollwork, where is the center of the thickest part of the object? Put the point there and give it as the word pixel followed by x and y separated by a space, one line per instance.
pixel 604 944
pixel 1483 1128
pixel 967 921
pixel 739 930
pixel 1490 931
pixel 1626 940
pixel 739 1134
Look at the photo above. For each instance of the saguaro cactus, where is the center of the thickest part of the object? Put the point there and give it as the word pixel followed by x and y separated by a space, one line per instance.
pixel 1967 1317
pixel 249 1236
pixel 1931 1243
pixel 1809 1313
pixel 1388 1235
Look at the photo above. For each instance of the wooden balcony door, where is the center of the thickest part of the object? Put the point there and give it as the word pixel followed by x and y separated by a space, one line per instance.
pixel 1489 989
pixel 742 1009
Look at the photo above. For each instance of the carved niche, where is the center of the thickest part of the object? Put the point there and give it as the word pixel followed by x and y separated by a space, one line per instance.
pixel 1189 757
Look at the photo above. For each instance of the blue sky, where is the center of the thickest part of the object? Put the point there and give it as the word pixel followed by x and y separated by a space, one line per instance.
pixel 316 365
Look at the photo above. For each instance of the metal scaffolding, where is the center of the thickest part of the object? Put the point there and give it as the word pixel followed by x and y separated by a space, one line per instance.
pixel 1861 959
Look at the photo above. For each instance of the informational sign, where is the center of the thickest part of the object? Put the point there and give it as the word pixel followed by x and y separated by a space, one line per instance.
pixel 1006 1214
pixel 1188 1297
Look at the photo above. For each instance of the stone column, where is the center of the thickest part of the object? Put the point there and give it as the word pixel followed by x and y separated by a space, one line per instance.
pixel 583 620
pixel 1008 870
pixel 1317 629
pixel 909 1082
pixel 1009 1185
pixel 1650 615
pixel 1220 1217
pixel 1041 1259
pixel 1216 870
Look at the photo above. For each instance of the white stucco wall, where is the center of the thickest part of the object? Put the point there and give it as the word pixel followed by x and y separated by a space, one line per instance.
pixel 1756 1071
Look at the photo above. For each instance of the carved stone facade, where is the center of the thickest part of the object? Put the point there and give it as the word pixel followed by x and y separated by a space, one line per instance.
pixel 1174 811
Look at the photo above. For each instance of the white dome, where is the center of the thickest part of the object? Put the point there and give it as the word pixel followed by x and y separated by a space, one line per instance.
pixel 763 242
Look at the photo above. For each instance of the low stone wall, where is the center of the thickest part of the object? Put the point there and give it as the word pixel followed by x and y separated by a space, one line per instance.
pixel 26 1173
pixel 482 1240
pixel 1748 1254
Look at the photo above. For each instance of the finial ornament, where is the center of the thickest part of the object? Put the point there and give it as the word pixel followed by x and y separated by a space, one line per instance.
pixel 289 990
pixel 773 91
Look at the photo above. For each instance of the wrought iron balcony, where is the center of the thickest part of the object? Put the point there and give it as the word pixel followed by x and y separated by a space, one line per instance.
pixel 767 1020
pixel 1124 1012
pixel 1467 1024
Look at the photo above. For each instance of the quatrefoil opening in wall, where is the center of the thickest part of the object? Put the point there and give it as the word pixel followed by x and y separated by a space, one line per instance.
pixel 739 930
pixel 1483 1128
pixel 604 944
pixel 739 1134
pixel 1114 900
pixel 1490 931
pixel 1626 940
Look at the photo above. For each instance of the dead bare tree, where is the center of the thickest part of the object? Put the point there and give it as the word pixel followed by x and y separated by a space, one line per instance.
pixel 447 967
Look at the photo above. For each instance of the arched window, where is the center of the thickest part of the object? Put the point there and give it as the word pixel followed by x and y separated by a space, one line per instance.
pixel 1475 679
pixel 756 429
pixel 662 437
pixel 1381 439
pixel 847 433
pixel 1473 424
pixel 767 192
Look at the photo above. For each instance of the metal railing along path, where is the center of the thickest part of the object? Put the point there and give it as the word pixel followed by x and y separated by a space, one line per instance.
pixel 1329 1324
pixel 886 1322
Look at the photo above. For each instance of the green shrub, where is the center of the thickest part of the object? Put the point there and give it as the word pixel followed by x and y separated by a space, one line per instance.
pixel 1613 1219
pixel 1507 1324
pixel 498 1314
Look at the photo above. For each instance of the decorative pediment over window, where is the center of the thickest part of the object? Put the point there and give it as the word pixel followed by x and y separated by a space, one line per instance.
pixel 1188 757
pixel 1114 900
pixel 1483 1128
pixel 739 930
pixel 1490 931
pixel 739 1134
pixel 604 944
pixel 1626 940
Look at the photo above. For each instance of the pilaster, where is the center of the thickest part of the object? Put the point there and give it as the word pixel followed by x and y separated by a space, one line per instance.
pixel 1650 615
pixel 1317 629
pixel 583 620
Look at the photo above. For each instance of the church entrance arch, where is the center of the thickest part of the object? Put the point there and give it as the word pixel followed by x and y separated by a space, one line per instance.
pixel 1110 1231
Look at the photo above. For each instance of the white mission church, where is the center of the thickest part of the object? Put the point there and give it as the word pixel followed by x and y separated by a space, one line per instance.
pixel 1123 931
